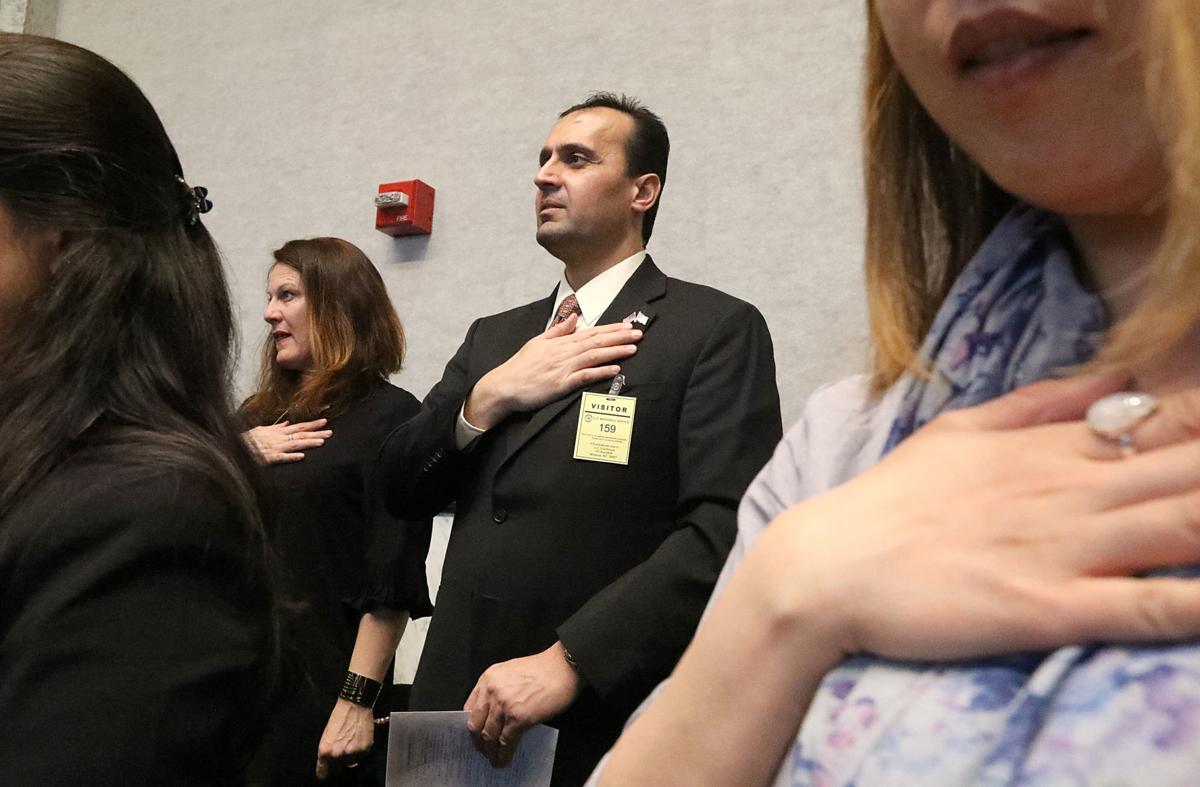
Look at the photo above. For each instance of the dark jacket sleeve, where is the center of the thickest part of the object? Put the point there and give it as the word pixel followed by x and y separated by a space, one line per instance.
pixel 133 651
pixel 395 547
pixel 422 469
pixel 629 636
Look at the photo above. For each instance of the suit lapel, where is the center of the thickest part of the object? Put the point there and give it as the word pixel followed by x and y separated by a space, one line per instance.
pixel 533 320
pixel 647 284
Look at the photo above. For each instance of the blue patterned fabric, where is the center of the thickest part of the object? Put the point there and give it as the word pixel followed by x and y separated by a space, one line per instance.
pixel 1101 715
pixel 1015 315
pixel 1081 715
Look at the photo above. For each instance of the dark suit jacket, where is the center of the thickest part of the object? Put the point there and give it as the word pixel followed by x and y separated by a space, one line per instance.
pixel 134 628
pixel 615 561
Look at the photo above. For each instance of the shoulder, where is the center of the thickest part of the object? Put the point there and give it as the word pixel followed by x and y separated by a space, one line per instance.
pixel 133 490
pixel 713 321
pixel 839 435
pixel 716 303
pixel 365 426
pixel 395 399
pixel 119 512
pixel 704 322
pixel 517 313
pixel 838 418
pixel 381 400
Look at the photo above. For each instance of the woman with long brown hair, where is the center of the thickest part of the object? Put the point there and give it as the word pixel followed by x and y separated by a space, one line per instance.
pixel 136 620
pixel 352 573
pixel 955 571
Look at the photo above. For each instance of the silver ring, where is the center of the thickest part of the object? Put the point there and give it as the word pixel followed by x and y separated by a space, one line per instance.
pixel 291 437
pixel 1114 417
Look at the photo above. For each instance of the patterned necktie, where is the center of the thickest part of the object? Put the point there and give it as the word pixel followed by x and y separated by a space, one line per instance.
pixel 568 307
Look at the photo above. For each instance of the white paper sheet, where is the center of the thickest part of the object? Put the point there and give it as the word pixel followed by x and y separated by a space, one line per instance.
pixel 434 749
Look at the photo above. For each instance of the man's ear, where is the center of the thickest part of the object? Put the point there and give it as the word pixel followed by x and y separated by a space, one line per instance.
pixel 646 190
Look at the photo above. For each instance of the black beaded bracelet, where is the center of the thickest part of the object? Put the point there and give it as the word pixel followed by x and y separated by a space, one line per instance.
pixel 360 690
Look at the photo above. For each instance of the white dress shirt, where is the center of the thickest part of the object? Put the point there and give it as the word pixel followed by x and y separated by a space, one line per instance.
pixel 598 294
pixel 594 298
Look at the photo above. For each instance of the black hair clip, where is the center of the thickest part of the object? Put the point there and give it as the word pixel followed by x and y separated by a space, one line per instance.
pixel 195 200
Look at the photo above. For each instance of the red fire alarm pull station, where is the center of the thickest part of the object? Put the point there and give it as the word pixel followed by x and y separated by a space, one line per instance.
pixel 404 208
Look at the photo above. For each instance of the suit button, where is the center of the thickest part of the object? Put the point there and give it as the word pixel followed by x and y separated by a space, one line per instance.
pixel 499 516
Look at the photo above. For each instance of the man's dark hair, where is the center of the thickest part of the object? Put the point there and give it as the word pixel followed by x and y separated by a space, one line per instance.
pixel 647 148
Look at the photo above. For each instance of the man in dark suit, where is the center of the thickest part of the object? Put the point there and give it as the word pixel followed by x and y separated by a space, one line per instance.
pixel 596 444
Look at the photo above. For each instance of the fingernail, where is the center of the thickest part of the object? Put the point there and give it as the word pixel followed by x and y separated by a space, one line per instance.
pixel 320 441
pixel 637 334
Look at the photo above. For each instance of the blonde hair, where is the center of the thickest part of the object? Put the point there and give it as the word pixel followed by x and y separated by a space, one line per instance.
pixel 929 206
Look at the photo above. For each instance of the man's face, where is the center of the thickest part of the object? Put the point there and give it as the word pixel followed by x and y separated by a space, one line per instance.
pixel 584 196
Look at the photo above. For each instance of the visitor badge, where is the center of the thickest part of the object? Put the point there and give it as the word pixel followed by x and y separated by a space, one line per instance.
pixel 605 428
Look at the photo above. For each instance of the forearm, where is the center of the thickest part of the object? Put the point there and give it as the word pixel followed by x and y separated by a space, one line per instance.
pixel 735 702
pixel 349 733
pixel 375 646
pixel 419 467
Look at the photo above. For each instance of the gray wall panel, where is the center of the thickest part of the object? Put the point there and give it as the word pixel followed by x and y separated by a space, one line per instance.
pixel 291 113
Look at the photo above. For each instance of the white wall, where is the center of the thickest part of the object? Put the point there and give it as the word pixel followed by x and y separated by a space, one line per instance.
pixel 292 111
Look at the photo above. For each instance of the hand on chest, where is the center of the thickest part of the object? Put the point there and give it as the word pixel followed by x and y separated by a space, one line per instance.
pixel 628 421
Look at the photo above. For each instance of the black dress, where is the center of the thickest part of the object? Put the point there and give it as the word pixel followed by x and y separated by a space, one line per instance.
pixel 341 554
pixel 133 630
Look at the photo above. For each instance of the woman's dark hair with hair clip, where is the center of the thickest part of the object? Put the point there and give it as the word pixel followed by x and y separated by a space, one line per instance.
pixel 133 323
pixel 125 344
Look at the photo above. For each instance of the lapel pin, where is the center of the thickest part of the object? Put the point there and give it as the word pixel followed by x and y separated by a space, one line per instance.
pixel 638 318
